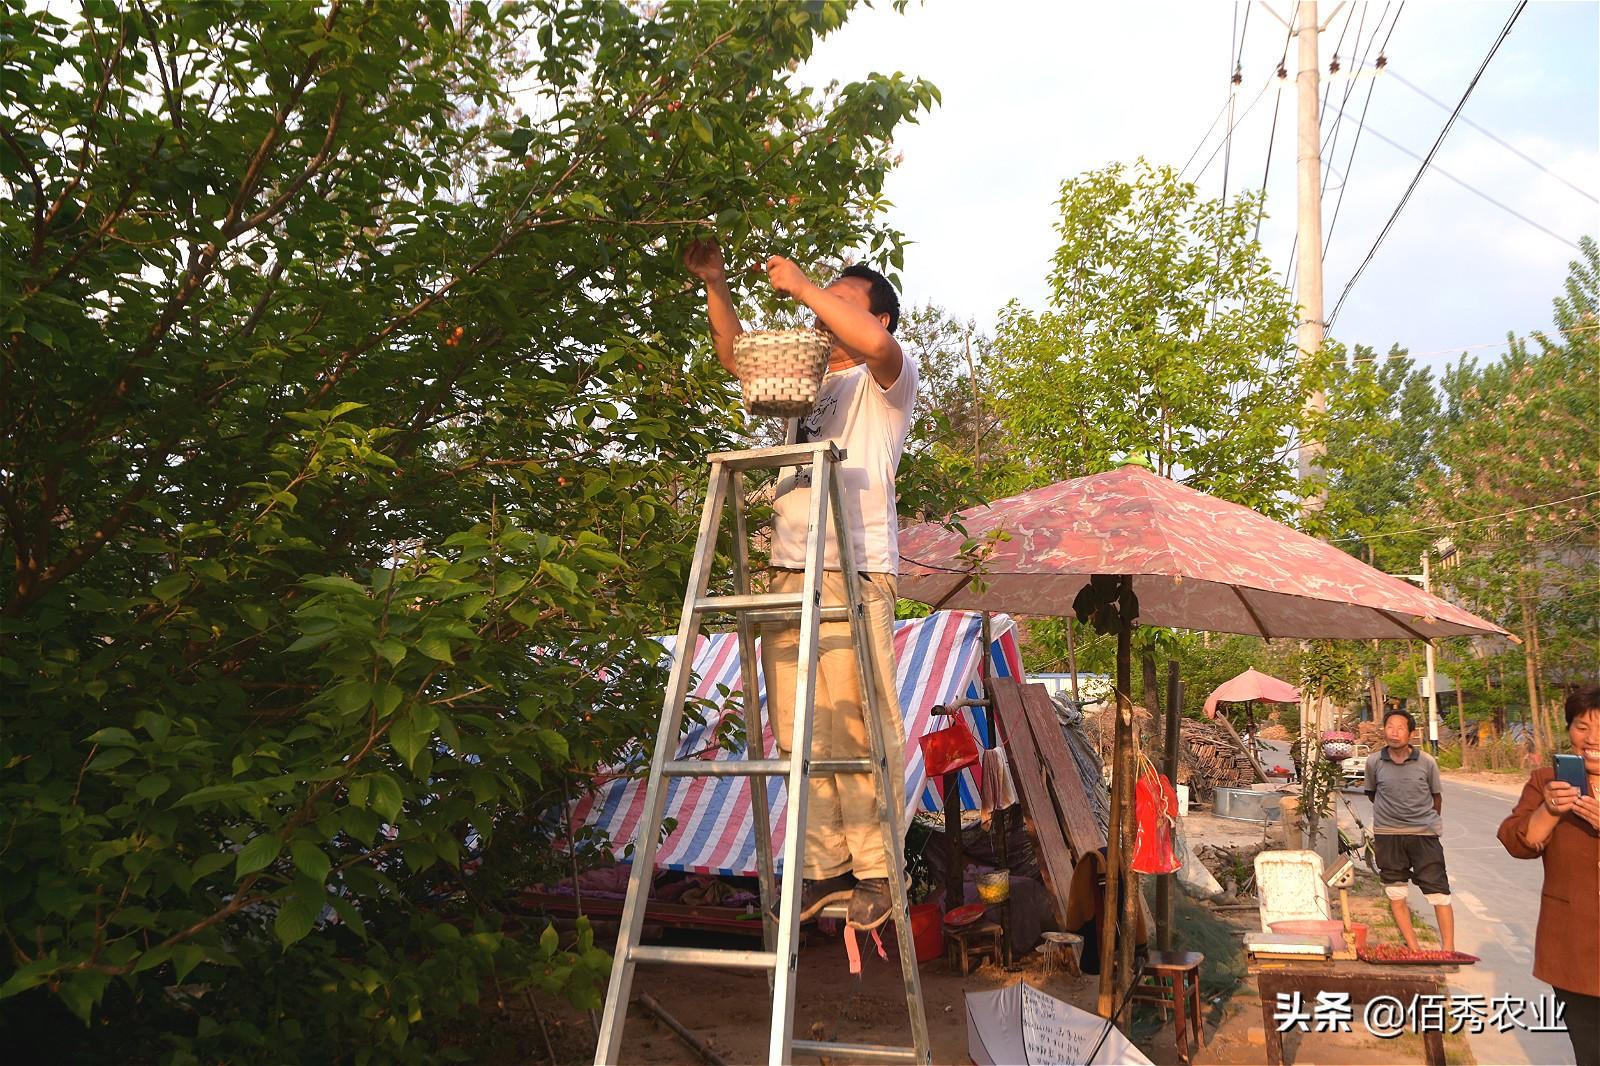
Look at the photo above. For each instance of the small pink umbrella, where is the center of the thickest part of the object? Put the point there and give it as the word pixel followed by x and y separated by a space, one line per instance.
pixel 1251 685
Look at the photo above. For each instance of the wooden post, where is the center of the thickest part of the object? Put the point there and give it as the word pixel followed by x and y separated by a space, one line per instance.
pixel 1169 766
pixel 1111 902
pixel 1128 881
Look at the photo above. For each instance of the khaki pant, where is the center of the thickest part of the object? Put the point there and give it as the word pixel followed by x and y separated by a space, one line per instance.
pixel 842 828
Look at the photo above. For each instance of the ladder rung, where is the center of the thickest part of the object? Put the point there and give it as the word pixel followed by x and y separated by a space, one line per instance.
pixel 780 600
pixel 869 1052
pixel 841 766
pixel 739 960
pixel 778 456
pixel 727 767
pixel 837 613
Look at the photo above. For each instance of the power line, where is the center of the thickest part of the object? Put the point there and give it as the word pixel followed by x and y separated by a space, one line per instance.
pixel 1472 189
pixel 1235 76
pixel 1417 179
pixel 1231 127
pixel 1273 135
pixel 1504 144
pixel 1355 143
pixel 1207 135
pixel 1466 521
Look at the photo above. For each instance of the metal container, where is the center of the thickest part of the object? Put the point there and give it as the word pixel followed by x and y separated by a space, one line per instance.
pixel 1245 805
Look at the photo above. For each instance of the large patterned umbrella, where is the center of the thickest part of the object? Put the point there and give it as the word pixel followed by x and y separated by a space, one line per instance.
pixel 1197 562
pixel 1190 561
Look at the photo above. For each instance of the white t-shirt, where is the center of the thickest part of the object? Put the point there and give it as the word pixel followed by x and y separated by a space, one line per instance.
pixel 870 423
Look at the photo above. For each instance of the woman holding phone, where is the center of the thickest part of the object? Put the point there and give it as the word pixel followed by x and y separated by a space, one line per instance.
pixel 1557 821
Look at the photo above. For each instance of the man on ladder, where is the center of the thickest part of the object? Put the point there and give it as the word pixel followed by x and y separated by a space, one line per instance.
pixel 864 406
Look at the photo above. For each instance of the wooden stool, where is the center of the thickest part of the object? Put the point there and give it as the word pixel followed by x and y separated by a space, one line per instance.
pixel 1172 979
pixel 970 943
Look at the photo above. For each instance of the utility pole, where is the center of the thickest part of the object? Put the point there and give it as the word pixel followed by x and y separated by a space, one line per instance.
pixel 1433 681
pixel 1308 284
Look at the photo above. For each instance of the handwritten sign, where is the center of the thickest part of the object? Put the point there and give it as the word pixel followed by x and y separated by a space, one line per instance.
pixel 1021 1024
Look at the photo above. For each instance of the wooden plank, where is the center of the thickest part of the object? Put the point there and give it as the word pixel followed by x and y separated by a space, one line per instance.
pixel 1038 811
pixel 1060 772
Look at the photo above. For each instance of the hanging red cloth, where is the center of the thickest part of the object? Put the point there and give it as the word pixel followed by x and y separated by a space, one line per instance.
pixel 1155 813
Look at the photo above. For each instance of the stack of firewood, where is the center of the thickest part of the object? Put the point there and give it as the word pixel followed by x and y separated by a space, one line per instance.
pixel 1208 759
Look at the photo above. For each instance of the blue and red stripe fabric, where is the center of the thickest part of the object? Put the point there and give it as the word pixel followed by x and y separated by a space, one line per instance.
pixel 936 663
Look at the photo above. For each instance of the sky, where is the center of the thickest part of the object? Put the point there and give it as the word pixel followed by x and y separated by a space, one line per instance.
pixel 1037 92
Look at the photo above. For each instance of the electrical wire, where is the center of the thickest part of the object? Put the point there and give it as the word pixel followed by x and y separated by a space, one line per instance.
pixel 1355 143
pixel 1232 126
pixel 1417 179
pixel 1234 78
pixel 1467 521
pixel 1330 138
pixel 1272 136
pixel 1330 147
pixel 1223 110
pixel 1513 149
pixel 1472 189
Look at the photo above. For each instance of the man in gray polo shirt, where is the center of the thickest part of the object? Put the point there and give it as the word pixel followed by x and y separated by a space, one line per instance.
pixel 1403 784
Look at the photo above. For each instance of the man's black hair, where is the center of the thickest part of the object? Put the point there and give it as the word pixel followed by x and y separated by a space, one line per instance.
pixel 1582 701
pixel 882 299
pixel 1410 721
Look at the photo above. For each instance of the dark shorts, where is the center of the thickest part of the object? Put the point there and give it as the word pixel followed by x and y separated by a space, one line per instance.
pixel 1418 859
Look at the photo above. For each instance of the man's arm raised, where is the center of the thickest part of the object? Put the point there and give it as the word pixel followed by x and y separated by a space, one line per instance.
pixel 704 260
pixel 857 329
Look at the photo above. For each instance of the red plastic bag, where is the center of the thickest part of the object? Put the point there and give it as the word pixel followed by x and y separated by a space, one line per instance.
pixel 950 749
pixel 1155 810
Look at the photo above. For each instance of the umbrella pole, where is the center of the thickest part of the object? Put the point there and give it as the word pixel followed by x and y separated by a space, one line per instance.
pixel 1120 901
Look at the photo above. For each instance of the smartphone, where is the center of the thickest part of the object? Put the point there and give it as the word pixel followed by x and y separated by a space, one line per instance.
pixel 1569 768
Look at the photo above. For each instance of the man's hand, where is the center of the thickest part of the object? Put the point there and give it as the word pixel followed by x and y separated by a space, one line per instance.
pixel 703 258
pixel 1587 808
pixel 787 278
pixel 1560 797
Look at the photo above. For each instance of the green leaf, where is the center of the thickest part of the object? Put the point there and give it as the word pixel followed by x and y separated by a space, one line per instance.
pixel 30 975
pixel 310 860
pixel 386 797
pixel 348 915
pixel 185 957
pixel 257 854
pixel 296 918
pixel 391 649
pixel 435 646
pixel 701 129
pixel 168 588
pixel 153 786
pixel 112 735
pixel 549 941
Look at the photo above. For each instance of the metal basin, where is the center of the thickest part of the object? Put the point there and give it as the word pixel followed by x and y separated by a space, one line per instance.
pixel 1245 805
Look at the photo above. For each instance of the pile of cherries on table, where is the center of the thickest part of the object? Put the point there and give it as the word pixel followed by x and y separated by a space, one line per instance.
pixel 1393 954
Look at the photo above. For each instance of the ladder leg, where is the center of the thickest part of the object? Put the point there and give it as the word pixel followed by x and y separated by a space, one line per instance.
pixel 753 721
pixel 780 1049
pixel 608 1049
pixel 888 819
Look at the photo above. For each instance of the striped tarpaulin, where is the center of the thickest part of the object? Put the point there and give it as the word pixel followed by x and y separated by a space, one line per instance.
pixel 936 663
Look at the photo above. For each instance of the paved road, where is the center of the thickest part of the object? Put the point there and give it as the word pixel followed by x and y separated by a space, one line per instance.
pixel 1496 900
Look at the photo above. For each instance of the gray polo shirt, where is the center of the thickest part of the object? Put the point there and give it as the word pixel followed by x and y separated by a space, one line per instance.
pixel 1402 793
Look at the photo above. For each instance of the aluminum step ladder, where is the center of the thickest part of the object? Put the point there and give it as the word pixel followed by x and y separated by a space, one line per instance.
pixel 781 939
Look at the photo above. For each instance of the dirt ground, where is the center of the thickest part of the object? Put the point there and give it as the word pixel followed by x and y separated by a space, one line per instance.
pixel 730 1010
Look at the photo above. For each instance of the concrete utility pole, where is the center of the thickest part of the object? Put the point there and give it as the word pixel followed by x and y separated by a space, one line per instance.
pixel 1308 284
pixel 1433 681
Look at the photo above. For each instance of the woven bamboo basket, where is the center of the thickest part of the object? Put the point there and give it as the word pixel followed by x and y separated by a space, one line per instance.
pixel 781 370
